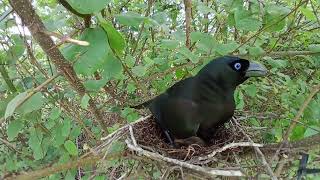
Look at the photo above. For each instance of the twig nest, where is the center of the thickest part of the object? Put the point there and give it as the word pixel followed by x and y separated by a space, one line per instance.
pixel 150 137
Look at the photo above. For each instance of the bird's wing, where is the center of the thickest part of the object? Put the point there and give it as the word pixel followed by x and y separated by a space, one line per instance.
pixel 182 89
pixel 178 89
pixel 175 109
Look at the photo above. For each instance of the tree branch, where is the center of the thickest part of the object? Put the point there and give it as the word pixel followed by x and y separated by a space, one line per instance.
pixel 187 7
pixel 31 19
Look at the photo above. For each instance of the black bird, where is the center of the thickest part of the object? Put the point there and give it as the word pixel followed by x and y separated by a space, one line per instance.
pixel 197 105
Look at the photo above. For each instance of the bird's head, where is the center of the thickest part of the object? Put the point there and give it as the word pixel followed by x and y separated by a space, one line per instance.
pixel 230 71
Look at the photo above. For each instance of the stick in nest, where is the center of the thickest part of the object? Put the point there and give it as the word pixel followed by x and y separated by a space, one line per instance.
pixel 228 146
pixel 202 170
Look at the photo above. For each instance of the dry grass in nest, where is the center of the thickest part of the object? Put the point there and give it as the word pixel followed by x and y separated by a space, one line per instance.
pixel 149 135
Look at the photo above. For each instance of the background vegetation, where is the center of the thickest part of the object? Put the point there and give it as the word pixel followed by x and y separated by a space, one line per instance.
pixel 55 108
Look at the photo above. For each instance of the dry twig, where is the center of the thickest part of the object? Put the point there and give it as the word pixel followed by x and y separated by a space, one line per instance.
pixel 263 159
pixel 203 170
pixel 228 146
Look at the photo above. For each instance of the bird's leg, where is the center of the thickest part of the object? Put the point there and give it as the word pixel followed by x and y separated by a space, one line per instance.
pixel 190 140
pixel 302 166
pixel 167 134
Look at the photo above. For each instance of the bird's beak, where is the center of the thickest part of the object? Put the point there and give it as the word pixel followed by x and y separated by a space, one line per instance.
pixel 256 70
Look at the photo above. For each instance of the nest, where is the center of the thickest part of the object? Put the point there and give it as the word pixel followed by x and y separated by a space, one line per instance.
pixel 145 138
pixel 149 136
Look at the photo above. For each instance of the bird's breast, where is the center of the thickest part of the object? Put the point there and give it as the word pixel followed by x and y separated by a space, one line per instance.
pixel 216 113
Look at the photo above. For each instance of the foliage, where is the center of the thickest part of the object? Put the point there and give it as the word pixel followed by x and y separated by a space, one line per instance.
pixel 136 51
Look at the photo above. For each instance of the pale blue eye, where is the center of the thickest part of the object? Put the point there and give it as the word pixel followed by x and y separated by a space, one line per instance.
pixel 237 66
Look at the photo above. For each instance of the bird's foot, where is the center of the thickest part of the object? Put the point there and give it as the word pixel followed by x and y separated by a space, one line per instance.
pixel 189 141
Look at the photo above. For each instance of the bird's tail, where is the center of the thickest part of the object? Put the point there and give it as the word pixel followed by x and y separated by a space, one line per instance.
pixel 142 105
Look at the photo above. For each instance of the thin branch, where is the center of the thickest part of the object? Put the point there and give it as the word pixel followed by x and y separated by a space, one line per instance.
pixel 187 8
pixel 13 147
pixel 267 27
pixel 5 75
pixel 293 123
pixel 34 61
pixel 35 90
pixel 126 69
pixel 262 157
pixel 290 53
pixel 150 2
pixel 125 127
pixel 229 146
pixel 32 20
pixel 315 12
pixel 6 14
pixel 133 139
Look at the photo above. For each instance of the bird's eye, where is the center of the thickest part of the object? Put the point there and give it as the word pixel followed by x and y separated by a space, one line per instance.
pixel 237 66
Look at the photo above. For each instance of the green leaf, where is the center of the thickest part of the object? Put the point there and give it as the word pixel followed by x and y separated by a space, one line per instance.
pixel 85 101
pixel 75 132
pixel 13 129
pixel 238 96
pixel 251 90
pixel 131 88
pixel 224 49
pixel 117 146
pixel 203 8
pixel 206 42
pixel 55 113
pixel 188 54
pixel 130 19
pixel 113 128
pixel 308 14
pixel 95 85
pixel 12 105
pixel 90 58
pixel 35 141
pixel 88 6
pixel 4 103
pixel 311 131
pixel 71 148
pixel 32 104
pixel 256 51
pixel 277 9
pixel 15 51
pixel 130 114
pixel 11 163
pixel 278 63
pixel 66 127
pixel 112 67
pixel 245 21
pixel 170 44
pixel 297 133
pixel 57 137
pixel 273 16
pixel 130 61
pixel 115 38
pixel 139 70
pixel 312 112
pixel 70 175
